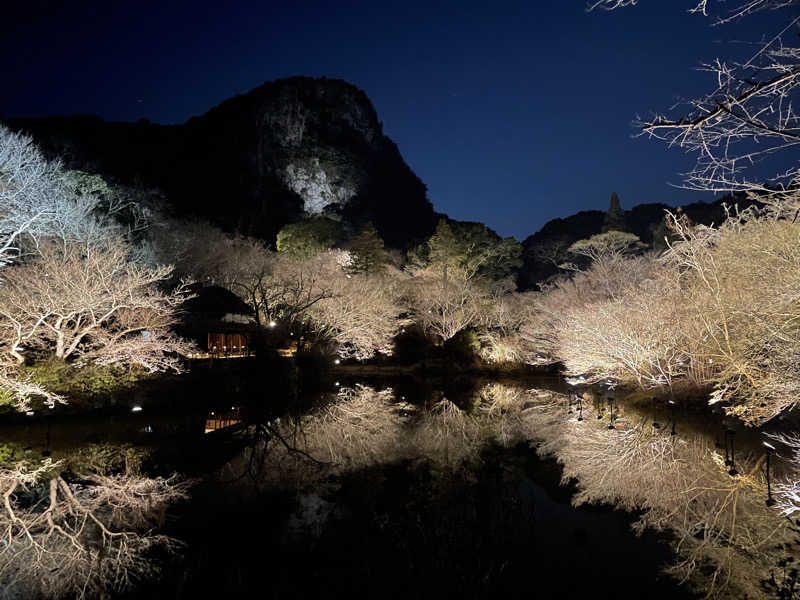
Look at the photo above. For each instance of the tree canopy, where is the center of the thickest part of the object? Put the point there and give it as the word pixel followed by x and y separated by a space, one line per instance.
pixel 309 237
pixel 472 248
pixel 367 252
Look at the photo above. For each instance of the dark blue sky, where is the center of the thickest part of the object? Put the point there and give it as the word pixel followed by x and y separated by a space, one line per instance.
pixel 513 113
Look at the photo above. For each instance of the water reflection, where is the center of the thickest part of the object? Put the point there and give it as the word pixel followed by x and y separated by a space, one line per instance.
pixel 437 439
pixel 222 419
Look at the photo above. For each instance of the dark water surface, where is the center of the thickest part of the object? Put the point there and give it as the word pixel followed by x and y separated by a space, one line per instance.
pixel 395 530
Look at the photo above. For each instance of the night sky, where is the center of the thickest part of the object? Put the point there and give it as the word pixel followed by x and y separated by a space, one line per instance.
pixel 511 113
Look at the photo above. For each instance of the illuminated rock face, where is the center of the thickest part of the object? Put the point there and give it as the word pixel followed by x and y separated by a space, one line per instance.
pixel 318 137
pixel 312 183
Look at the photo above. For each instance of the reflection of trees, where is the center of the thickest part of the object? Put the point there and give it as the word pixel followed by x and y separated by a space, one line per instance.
pixel 447 435
pixel 788 490
pixel 358 428
pixel 726 537
pixel 361 427
pixel 85 540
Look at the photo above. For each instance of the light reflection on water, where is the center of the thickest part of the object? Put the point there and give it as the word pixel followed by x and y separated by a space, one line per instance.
pixel 568 534
pixel 150 424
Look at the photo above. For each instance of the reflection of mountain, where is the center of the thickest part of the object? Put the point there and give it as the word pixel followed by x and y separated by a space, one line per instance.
pixel 259 160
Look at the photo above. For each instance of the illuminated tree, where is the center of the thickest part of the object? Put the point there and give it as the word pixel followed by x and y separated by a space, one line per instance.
pixel 92 302
pixel 33 198
pixel 739 282
pixel 277 286
pixel 443 310
pixel 457 277
pixel 500 332
pixel 362 314
pixel 40 200
pixel 609 246
pixel 748 118
pixel 56 229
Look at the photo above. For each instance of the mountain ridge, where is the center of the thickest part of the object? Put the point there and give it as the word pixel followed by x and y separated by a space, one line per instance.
pixel 286 149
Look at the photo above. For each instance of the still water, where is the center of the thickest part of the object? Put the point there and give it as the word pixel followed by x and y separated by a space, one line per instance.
pixel 401 527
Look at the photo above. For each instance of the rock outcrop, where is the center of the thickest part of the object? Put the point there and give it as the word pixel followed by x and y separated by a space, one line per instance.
pixel 615 217
pixel 285 150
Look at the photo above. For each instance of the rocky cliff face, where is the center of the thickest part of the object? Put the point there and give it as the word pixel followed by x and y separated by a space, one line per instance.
pixel 284 150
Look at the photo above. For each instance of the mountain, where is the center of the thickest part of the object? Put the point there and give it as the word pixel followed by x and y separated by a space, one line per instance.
pixel 543 251
pixel 285 150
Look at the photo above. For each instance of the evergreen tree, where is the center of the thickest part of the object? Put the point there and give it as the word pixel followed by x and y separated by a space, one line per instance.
pixel 443 246
pixel 308 238
pixel 367 252
pixel 472 248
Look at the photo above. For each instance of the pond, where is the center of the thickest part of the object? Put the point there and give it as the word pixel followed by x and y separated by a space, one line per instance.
pixel 452 489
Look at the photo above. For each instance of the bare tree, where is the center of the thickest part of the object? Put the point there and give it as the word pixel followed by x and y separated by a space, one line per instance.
pixel 21 391
pixel 500 332
pixel 446 305
pixel 633 338
pixel 363 313
pixel 716 313
pixel 741 9
pixel 739 281
pixel 607 247
pixel 92 302
pixel 56 228
pixel 278 287
pixel 566 320
pixel 31 192
pixel 40 200
pixel 747 119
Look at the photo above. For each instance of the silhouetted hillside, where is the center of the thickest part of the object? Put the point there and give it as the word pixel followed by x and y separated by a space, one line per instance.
pixel 286 149
pixel 543 251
